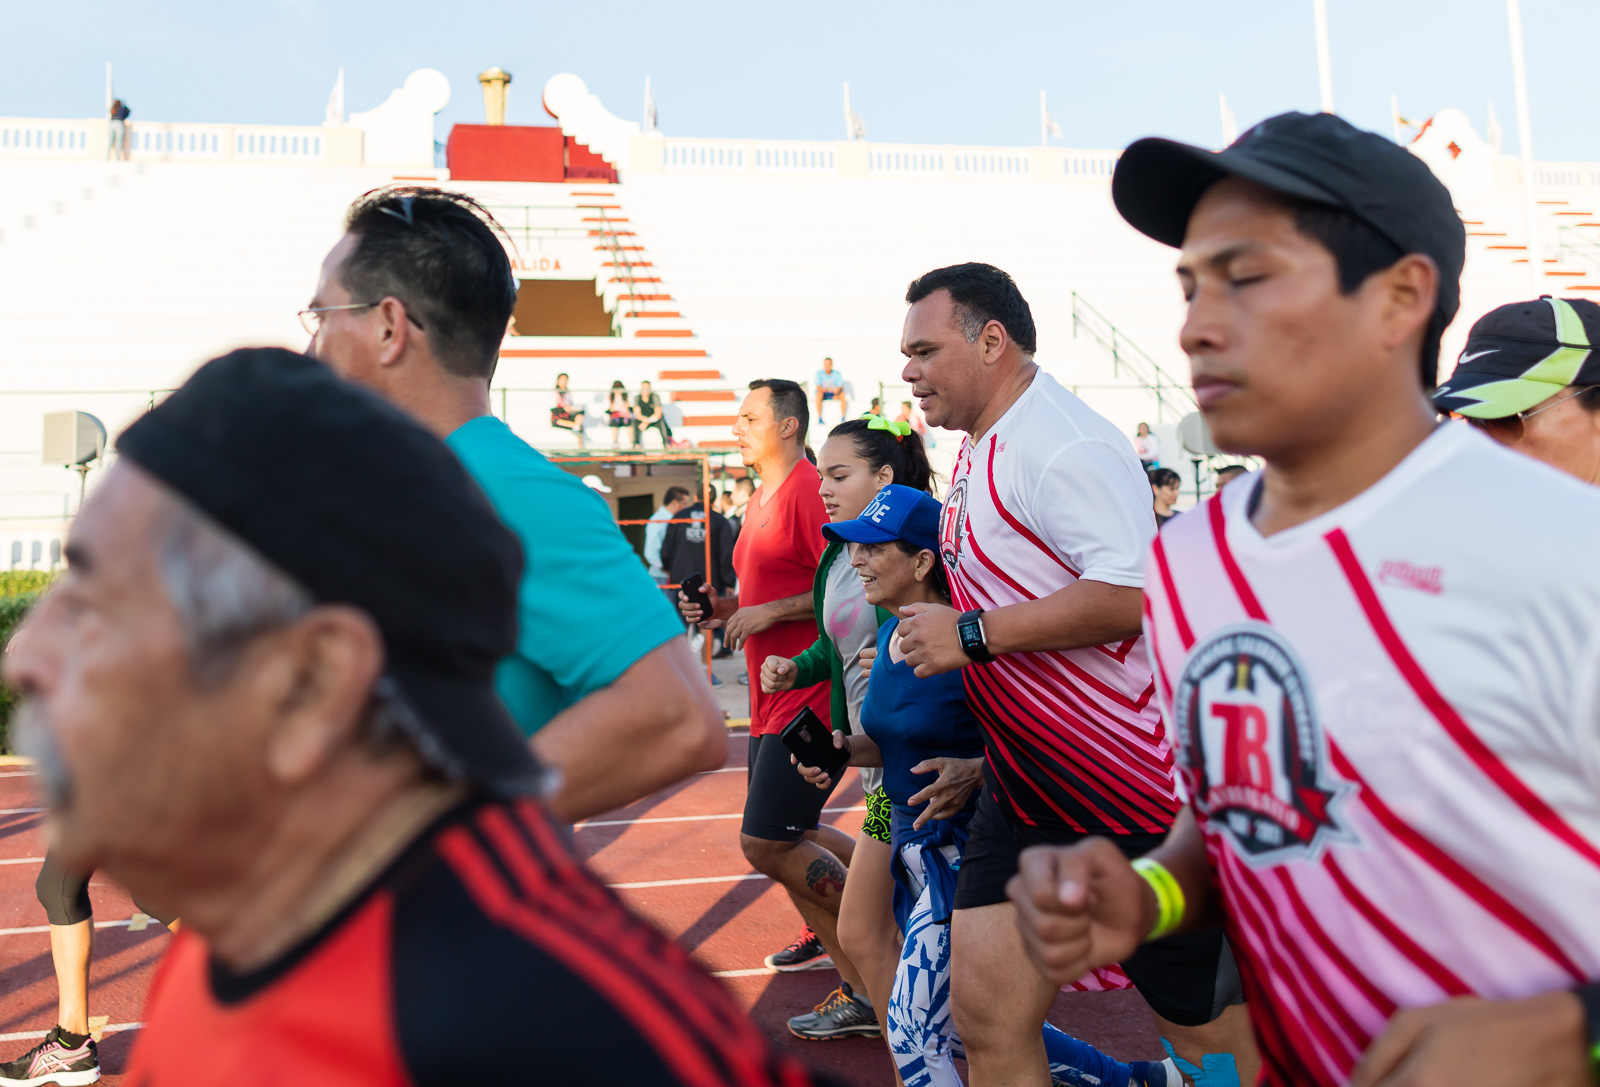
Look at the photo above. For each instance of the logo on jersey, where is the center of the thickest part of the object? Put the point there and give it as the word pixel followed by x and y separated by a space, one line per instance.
pixel 953 524
pixel 1253 753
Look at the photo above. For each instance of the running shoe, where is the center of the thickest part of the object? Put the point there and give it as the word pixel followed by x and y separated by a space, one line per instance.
pixel 1154 1074
pixel 806 953
pixel 51 1061
pixel 842 1015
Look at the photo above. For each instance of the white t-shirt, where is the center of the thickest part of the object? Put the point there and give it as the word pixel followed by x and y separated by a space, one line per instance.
pixel 1388 721
pixel 1053 493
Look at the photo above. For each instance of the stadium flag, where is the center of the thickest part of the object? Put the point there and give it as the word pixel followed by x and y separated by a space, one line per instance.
pixel 854 127
pixel 649 124
pixel 1493 133
pixel 1047 124
pixel 333 115
pixel 1230 127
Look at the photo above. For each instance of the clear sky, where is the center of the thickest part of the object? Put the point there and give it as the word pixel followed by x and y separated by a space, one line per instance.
pixel 929 71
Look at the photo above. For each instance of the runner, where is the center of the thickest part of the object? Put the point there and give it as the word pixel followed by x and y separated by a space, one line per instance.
pixel 858 459
pixel 774 614
pixel 367 884
pixel 914 729
pixel 1044 533
pixel 413 303
pixel 1380 656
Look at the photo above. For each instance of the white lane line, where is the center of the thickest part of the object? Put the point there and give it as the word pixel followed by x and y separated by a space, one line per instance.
pixel 26 929
pixel 683 818
pixel 19 811
pixel 724 770
pixel 681 882
pixel 22 860
pixel 759 970
pixel 29 774
pixel 30 1035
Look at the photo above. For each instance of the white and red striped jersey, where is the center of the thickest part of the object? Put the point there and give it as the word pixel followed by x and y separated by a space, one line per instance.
pixel 1050 494
pixel 1387 720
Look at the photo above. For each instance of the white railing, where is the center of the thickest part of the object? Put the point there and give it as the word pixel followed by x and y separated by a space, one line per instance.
pixel 702 156
pixel 30 138
pixel 794 158
pixel 901 160
pixel 163 141
pixel 1567 175
pixel 992 162
pixel 1089 164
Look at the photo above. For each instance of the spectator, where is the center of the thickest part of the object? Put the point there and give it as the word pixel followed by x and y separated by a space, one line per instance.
pixel 743 488
pixel 773 613
pixel 566 412
pixel 859 458
pixel 281 551
pixel 673 503
pixel 1148 447
pixel 830 389
pixel 876 407
pixel 908 414
pixel 117 148
pixel 619 413
pixel 648 412
pixel 1500 388
pixel 683 550
pixel 1164 487
pixel 413 303
pixel 1228 473
pixel 1045 628
pixel 912 728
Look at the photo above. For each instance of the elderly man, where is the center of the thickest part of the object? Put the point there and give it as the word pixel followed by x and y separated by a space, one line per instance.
pixel 263 694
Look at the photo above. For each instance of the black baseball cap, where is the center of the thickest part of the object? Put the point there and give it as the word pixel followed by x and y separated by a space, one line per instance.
pixel 1316 157
pixel 358 503
pixel 1522 353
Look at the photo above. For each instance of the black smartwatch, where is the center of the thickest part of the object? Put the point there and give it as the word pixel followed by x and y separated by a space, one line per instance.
pixel 1590 996
pixel 970 630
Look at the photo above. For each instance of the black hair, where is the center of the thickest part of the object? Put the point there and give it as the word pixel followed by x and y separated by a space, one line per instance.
pixel 1164 477
pixel 788 402
pixel 440 254
pixel 1241 469
pixel 941 576
pixel 618 385
pixel 1360 251
pixel 908 456
pixel 674 494
pixel 1589 398
pixel 981 293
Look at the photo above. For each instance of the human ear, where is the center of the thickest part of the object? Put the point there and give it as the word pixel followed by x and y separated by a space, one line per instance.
pixel 1410 289
pixel 393 330
pixel 332 658
pixel 884 476
pixel 993 340
pixel 923 568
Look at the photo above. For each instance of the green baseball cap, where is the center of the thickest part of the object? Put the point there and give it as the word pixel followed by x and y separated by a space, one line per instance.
pixel 1522 353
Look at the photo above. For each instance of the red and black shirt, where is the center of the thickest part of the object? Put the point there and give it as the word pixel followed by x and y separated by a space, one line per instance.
pixel 486 953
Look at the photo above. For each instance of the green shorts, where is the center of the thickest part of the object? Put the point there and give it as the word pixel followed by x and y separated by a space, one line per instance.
pixel 879 808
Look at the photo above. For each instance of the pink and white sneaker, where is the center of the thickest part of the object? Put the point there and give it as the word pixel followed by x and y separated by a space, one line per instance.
pixel 53 1061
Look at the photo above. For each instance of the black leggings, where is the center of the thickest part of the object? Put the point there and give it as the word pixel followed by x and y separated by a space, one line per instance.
pixel 64 894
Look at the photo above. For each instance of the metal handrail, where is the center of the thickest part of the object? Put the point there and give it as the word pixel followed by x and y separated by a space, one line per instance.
pixel 1582 246
pixel 1125 353
pixel 607 232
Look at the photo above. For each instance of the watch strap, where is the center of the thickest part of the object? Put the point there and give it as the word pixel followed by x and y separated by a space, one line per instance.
pixel 969 627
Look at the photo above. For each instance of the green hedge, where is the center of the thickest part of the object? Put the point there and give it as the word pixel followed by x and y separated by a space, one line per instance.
pixel 18 590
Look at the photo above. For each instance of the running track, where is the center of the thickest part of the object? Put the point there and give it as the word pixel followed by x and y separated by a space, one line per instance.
pixel 674 857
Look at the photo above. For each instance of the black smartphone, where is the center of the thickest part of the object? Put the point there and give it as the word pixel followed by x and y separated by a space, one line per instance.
pixel 695 585
pixel 811 741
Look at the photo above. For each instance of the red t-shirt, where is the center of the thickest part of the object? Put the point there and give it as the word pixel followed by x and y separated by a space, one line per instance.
pixel 779 547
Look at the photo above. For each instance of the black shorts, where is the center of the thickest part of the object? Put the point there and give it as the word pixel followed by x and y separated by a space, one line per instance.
pixel 1188 979
pixel 64 894
pixel 779 804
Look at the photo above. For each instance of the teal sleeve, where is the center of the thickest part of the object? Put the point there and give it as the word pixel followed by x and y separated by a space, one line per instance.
pixel 587 608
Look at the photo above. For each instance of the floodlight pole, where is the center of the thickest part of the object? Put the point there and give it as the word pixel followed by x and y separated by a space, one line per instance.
pixel 1319 11
pixel 1519 78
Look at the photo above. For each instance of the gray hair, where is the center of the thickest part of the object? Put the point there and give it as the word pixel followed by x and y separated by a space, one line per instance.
pixel 226 595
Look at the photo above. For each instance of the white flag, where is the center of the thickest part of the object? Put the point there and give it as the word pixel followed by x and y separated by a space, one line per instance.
pixel 1047 124
pixel 1494 134
pixel 649 124
pixel 333 115
pixel 1230 127
pixel 854 127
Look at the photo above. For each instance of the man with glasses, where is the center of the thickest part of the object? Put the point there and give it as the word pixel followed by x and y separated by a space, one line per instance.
pixel 1531 361
pixel 413 303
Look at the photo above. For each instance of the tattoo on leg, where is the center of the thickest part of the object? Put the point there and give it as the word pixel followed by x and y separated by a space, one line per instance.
pixel 824 875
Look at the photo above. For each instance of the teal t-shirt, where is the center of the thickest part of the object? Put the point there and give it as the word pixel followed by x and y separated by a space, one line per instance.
pixel 586 609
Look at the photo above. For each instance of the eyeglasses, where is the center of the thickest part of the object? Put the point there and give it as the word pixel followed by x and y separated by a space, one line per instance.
pixel 311 319
pixel 1511 429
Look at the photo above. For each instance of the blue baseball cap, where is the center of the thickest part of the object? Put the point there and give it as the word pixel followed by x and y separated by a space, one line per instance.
pixel 895 513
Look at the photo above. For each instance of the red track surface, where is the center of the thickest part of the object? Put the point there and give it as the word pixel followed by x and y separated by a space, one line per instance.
pixel 728 924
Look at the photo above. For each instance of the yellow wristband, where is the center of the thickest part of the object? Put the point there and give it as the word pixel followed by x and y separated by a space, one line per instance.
pixel 1169 896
